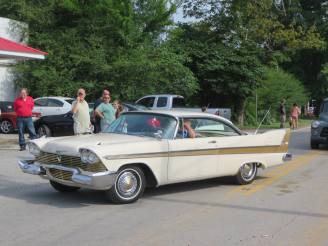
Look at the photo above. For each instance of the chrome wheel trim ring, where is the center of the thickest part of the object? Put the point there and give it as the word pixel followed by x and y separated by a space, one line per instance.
pixel 6 126
pixel 128 184
pixel 42 131
pixel 247 171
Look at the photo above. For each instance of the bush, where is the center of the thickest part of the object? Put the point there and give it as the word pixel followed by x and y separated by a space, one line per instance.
pixel 277 85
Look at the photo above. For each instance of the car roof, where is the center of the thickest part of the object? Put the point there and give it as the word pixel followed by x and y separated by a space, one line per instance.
pixel 185 114
pixel 162 95
pixel 59 97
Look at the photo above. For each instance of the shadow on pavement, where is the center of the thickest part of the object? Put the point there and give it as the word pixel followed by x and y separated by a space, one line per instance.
pixel 43 193
pixel 242 207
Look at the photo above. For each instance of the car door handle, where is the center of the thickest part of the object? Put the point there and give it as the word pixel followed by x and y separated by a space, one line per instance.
pixel 212 142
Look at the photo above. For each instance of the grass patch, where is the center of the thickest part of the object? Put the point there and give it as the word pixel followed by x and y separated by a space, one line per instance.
pixel 276 125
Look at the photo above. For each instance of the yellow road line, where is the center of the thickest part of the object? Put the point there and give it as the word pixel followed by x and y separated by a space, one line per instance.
pixel 277 173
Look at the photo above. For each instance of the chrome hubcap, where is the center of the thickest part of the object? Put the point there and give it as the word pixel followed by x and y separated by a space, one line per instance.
pixel 127 184
pixel 247 171
pixel 42 132
pixel 5 126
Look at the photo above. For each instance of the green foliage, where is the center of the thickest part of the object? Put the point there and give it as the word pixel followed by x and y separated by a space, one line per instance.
pixel 276 86
pixel 100 43
pixel 227 74
pixel 220 59
pixel 152 71
pixel 280 32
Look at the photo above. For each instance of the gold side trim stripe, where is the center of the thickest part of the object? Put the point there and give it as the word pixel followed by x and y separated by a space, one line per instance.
pixel 224 151
pixel 283 148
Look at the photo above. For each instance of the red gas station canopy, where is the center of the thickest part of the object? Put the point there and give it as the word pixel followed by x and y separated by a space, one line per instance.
pixel 12 50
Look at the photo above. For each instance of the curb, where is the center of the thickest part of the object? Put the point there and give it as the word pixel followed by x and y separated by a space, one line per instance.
pixel 8 147
pixel 9 144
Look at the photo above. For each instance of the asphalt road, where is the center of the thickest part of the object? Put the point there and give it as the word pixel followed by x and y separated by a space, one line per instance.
pixel 286 205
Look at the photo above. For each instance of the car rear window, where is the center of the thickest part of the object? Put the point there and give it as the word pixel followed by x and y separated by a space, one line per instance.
pixel 6 106
pixel 178 102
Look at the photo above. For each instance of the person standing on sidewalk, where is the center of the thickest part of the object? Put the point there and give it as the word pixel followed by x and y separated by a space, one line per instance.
pixel 81 116
pixel 282 112
pixel 106 112
pixel 23 107
pixel 96 118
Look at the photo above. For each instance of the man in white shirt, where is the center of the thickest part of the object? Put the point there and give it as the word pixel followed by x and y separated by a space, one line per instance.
pixel 81 116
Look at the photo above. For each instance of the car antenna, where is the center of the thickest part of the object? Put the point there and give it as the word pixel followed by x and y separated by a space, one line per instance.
pixel 266 114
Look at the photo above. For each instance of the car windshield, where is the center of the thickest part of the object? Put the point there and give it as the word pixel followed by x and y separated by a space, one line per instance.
pixel 144 124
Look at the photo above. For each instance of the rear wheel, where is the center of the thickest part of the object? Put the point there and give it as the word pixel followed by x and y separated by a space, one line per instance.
pixel 247 173
pixel 314 145
pixel 63 188
pixel 6 126
pixel 129 185
pixel 44 130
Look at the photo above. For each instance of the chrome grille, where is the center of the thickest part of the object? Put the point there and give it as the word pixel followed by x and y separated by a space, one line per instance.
pixel 60 174
pixel 69 161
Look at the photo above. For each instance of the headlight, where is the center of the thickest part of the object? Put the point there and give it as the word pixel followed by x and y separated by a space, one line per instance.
pixel 34 149
pixel 315 124
pixel 88 157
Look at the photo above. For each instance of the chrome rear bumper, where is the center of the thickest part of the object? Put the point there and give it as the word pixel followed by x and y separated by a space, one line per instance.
pixel 79 178
pixel 287 157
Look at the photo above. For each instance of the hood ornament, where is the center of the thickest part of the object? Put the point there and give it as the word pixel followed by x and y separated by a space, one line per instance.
pixel 59 156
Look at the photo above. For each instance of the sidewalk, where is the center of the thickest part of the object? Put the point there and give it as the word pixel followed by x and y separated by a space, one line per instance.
pixel 9 142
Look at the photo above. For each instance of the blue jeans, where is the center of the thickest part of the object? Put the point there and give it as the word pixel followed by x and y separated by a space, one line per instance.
pixel 23 123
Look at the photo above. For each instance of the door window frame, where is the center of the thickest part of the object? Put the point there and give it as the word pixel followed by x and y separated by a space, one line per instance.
pixel 181 120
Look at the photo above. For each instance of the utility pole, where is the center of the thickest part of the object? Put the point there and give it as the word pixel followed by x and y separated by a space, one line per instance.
pixel 256 105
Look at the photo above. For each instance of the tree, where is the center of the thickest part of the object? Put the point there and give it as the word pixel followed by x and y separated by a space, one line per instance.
pixel 227 75
pixel 279 31
pixel 277 85
pixel 90 43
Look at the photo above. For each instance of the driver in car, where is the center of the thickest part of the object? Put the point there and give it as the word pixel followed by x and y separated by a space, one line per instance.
pixel 187 131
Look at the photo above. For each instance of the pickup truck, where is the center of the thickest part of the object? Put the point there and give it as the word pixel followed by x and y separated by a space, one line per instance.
pixel 174 102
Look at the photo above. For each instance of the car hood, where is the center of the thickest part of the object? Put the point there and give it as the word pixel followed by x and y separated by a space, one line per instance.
pixel 71 145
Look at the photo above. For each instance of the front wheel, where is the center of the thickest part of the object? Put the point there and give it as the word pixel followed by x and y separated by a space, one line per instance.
pixel 63 188
pixel 247 173
pixel 6 126
pixel 314 145
pixel 44 131
pixel 129 185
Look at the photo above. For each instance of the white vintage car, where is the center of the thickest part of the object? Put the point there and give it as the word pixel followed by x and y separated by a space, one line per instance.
pixel 152 149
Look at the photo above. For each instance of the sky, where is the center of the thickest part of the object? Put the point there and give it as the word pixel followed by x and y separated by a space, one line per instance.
pixel 178 16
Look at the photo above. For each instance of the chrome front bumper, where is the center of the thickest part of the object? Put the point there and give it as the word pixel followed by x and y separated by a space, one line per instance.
pixel 79 178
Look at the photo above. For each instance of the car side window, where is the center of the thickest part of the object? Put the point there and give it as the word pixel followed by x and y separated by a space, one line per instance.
pixel 161 102
pixel 43 102
pixel 210 127
pixel 205 127
pixel 55 103
pixel 147 101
